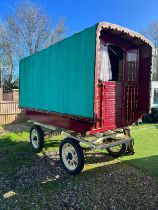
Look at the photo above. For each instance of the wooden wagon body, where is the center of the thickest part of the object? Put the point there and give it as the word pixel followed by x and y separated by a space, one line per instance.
pixel 60 86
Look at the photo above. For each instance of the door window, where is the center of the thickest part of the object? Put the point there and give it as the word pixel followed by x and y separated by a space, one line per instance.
pixel 132 65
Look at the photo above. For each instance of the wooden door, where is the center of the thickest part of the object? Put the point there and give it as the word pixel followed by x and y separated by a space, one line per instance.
pixel 131 85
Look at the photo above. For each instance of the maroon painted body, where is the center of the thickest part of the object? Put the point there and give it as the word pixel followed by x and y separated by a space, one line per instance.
pixel 54 119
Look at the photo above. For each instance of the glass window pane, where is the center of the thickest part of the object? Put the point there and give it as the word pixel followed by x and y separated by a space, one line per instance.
pixel 131 57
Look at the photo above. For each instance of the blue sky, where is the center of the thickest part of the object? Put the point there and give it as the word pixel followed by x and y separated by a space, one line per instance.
pixel 134 14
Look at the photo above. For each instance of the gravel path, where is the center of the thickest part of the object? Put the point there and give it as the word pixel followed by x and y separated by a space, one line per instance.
pixel 15 127
pixel 104 184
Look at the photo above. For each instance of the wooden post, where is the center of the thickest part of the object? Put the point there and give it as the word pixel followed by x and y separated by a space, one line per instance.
pixel 1 94
pixel 1 87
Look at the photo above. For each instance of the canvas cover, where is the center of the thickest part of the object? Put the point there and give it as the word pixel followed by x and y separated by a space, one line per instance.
pixel 61 77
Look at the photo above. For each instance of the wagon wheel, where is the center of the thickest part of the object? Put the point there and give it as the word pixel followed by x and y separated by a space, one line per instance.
pixel 117 150
pixel 71 156
pixel 129 145
pixel 36 138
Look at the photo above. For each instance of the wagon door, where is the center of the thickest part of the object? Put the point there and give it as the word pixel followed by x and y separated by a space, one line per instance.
pixel 131 85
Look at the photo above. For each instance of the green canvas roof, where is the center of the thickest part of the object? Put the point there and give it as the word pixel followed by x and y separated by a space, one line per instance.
pixel 61 77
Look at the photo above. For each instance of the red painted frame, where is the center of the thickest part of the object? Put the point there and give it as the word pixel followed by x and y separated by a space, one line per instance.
pixel 53 119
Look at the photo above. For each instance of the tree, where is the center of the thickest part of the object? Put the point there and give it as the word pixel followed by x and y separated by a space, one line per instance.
pixel 151 31
pixel 26 31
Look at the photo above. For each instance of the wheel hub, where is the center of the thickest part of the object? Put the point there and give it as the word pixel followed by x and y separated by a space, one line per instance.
pixel 35 139
pixel 69 156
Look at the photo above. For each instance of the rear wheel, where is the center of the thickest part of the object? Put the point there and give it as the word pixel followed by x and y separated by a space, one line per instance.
pixel 71 156
pixel 36 138
pixel 117 150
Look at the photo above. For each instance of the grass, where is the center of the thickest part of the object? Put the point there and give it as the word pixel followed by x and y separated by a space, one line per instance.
pixel 15 147
pixel 145 158
pixel 36 181
pixel 146 148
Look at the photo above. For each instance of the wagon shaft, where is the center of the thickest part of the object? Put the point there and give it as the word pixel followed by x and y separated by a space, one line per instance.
pixel 104 142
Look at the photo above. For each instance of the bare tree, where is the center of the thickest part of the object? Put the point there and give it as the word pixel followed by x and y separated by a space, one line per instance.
pixel 151 31
pixel 6 55
pixel 26 31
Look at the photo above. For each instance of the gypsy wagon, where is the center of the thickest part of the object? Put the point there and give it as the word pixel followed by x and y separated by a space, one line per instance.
pixel 92 86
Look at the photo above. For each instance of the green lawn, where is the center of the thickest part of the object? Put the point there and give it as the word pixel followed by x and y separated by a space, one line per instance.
pixel 37 181
pixel 146 148
pixel 145 157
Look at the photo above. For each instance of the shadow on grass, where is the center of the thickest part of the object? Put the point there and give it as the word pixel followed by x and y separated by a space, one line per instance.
pixel 148 164
pixel 52 143
pixel 156 126
pixel 13 155
pixel 16 154
pixel 7 143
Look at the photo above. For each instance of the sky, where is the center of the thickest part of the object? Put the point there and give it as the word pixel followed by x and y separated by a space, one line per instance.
pixel 133 14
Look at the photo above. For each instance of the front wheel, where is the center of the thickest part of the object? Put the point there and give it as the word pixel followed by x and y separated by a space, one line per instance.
pixel 71 156
pixel 117 150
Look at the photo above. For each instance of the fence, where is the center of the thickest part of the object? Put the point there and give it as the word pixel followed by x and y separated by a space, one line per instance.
pixel 10 112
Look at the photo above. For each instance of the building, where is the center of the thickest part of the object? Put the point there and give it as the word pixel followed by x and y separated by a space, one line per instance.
pixel 154 94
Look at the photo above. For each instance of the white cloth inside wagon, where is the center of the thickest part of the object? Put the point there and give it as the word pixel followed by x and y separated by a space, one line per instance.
pixel 105 73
